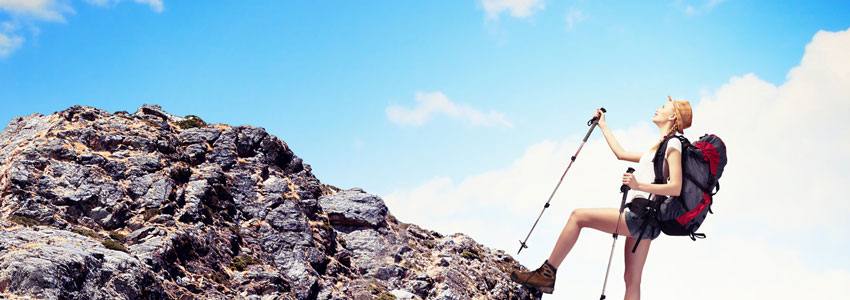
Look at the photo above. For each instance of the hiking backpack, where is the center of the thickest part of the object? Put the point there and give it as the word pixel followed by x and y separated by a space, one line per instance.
pixel 702 166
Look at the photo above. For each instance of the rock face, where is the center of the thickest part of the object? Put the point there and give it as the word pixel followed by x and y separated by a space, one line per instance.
pixel 149 205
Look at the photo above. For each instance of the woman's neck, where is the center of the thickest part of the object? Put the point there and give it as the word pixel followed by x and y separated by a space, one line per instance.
pixel 666 130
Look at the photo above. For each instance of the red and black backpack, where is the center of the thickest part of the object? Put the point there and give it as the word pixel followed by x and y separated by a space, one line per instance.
pixel 702 166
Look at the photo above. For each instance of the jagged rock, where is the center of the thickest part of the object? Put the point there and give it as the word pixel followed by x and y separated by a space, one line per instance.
pixel 150 205
pixel 58 264
pixel 198 135
pixel 354 207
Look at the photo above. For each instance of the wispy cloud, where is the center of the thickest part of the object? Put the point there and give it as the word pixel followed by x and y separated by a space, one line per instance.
pixel 777 191
pixel 43 10
pixel 516 8
pixel 692 8
pixel 430 104
pixel 155 5
pixel 574 16
pixel 32 12
pixel 9 41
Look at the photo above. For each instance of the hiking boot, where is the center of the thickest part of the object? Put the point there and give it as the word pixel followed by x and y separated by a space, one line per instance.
pixel 543 278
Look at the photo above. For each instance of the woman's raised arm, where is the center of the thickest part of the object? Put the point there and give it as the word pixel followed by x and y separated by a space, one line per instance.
pixel 621 153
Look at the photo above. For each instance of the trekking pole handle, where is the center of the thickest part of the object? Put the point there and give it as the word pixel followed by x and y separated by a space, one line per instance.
pixel 594 119
pixel 625 188
pixel 592 123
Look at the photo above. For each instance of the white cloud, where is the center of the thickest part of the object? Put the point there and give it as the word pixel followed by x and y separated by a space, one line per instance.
pixel 574 16
pixel 516 8
pixel 44 10
pixel 788 149
pixel 155 5
pixel 9 40
pixel 429 104
pixel 30 12
pixel 692 8
pixel 9 43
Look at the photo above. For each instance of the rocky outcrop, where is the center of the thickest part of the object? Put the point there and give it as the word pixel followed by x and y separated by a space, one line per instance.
pixel 52 263
pixel 149 205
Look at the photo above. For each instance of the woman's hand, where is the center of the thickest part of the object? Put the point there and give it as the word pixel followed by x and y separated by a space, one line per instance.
pixel 600 115
pixel 629 180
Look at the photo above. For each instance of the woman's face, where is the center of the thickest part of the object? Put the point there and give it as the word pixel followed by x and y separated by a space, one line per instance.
pixel 665 112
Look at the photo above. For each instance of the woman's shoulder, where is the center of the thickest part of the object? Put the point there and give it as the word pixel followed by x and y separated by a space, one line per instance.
pixel 673 143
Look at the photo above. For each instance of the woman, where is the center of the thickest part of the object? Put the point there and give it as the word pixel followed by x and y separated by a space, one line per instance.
pixel 674 116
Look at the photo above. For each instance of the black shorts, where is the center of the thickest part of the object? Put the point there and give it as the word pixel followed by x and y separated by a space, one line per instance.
pixel 650 232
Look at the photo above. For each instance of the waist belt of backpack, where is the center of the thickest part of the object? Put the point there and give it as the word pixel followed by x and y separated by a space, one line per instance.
pixel 647 210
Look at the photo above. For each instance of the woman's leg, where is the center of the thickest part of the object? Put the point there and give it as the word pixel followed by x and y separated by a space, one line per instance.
pixel 603 219
pixel 634 266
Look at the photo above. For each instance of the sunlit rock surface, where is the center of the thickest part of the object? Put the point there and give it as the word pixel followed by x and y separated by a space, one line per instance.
pixel 149 205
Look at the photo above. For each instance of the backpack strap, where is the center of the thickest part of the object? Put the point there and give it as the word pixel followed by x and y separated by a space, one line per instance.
pixel 649 214
pixel 694 235
pixel 716 187
pixel 640 236
pixel 647 211
pixel 658 160
pixel 658 163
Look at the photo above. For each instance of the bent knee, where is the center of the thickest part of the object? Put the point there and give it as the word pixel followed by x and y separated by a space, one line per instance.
pixel 579 216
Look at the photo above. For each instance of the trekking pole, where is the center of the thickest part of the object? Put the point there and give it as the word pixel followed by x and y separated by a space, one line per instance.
pixel 592 123
pixel 623 188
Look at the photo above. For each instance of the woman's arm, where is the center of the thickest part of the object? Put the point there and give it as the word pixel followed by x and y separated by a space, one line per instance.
pixel 621 153
pixel 672 188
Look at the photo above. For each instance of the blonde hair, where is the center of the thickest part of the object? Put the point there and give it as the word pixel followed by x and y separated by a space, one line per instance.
pixel 684 115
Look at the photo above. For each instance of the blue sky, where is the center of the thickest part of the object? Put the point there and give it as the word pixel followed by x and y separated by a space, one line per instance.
pixel 462 114
pixel 321 75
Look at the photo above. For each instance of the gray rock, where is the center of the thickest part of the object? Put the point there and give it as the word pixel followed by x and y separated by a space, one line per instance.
pixel 147 163
pixel 287 217
pixel 275 185
pixel 199 135
pixel 404 295
pixel 298 272
pixel 207 212
pixel 54 264
pixel 158 192
pixel 224 150
pixel 195 153
pixel 354 207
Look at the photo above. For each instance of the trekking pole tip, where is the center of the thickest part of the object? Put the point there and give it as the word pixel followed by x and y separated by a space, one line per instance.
pixel 521 246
